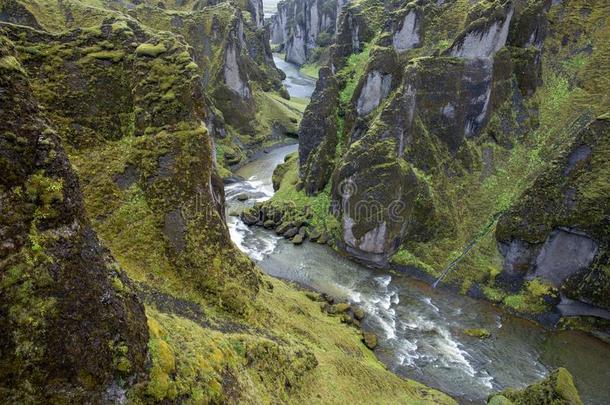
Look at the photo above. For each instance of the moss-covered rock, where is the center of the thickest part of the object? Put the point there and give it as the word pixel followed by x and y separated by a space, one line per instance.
pixel 74 330
pixel 557 388
pixel 318 134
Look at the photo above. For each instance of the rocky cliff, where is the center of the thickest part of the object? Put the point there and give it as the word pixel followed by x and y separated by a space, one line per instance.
pixel 118 278
pixel 299 27
pixel 226 41
pixel 464 141
pixel 73 329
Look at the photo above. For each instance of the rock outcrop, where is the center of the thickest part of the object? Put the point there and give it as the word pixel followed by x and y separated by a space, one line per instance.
pixel 558 222
pixel 557 388
pixel 228 45
pixel 318 133
pixel 72 327
pixel 302 25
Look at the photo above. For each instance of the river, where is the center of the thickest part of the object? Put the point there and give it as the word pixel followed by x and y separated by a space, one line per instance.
pixel 420 328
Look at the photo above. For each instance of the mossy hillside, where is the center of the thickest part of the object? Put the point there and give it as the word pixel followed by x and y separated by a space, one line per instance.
pixel 73 324
pixel 263 118
pixel 207 30
pixel 56 16
pixel 165 178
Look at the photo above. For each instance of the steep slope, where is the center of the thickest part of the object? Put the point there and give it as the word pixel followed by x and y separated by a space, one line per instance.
pixel 456 122
pixel 229 45
pixel 129 108
pixel 73 329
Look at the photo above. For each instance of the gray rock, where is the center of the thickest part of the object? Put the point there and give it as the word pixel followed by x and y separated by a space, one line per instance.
pixel 174 228
pixel 232 74
pixel 483 42
pixel 291 232
pixel 563 254
pixel 408 36
pixel 249 218
pixel 375 90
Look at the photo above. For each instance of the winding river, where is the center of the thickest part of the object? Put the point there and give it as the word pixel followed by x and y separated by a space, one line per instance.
pixel 420 328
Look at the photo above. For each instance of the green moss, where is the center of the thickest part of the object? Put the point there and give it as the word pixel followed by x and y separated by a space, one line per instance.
pixel 318 206
pixel 478 333
pixel 310 69
pixel 557 389
pixel 531 299
pixel 114 56
pixel 351 73
pixel 405 258
pixel 151 50
pixel 10 64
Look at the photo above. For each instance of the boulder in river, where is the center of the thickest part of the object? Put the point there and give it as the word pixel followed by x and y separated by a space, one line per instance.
pixel 248 218
pixel 480 333
pixel 291 232
pixel 358 313
pixel 242 197
pixel 557 388
pixel 282 228
pixel 298 239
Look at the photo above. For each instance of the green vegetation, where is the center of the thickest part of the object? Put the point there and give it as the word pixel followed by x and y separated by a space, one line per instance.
pixel 558 388
pixel 305 356
pixel 478 333
pixel 310 69
pixel 150 50
pixel 317 206
pixel 532 298
pixel 355 66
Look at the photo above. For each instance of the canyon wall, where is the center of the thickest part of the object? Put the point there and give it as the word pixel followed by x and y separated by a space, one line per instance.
pixel 301 26
pixel 469 137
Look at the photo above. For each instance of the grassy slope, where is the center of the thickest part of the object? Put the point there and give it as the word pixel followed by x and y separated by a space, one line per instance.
pixel 275 365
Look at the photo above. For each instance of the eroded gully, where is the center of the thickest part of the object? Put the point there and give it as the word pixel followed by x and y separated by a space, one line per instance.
pixel 420 329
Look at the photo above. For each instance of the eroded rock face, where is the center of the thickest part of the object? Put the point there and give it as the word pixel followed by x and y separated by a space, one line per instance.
pixel 483 39
pixel 295 47
pixel 72 328
pixel 425 113
pixel 409 35
pixel 232 75
pixel 155 85
pixel 256 10
pixel 318 133
pixel 301 25
pixel 376 88
pixel 561 216
pixel 564 254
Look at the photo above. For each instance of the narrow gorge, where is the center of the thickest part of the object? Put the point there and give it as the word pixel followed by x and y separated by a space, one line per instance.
pixel 304 201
